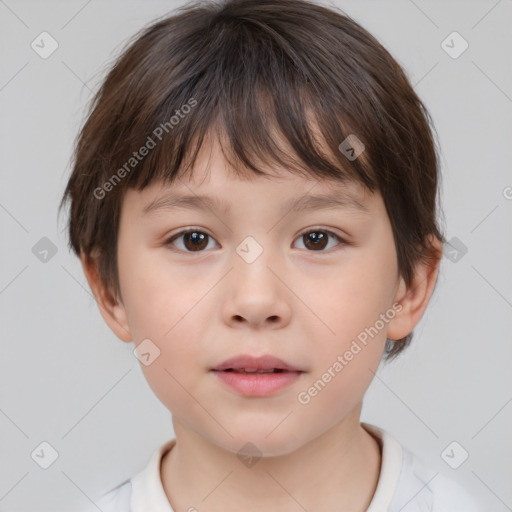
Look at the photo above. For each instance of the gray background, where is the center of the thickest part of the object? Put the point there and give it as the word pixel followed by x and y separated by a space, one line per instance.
pixel 67 380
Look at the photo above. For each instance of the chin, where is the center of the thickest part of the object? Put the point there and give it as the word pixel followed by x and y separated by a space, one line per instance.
pixel 258 443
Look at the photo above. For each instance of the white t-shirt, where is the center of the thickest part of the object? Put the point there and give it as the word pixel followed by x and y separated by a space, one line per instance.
pixel 405 485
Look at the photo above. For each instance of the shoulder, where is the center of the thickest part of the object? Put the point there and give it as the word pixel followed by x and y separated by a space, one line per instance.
pixel 143 491
pixel 420 488
pixel 117 499
pixel 450 495
pixel 407 484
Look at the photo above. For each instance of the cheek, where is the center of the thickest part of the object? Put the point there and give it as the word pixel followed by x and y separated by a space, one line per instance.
pixel 346 359
pixel 165 304
pixel 159 296
pixel 350 306
pixel 353 298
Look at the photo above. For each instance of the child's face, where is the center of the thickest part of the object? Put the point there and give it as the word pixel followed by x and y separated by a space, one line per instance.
pixel 301 302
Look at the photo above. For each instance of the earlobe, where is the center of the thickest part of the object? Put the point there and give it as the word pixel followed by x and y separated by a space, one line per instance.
pixel 112 311
pixel 414 299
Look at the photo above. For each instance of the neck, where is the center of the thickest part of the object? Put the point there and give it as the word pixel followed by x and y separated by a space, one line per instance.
pixel 337 471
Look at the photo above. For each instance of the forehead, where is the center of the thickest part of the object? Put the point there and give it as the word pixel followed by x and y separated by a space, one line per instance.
pixel 236 196
pixel 214 184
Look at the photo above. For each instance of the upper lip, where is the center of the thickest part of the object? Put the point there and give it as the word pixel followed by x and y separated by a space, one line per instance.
pixel 266 362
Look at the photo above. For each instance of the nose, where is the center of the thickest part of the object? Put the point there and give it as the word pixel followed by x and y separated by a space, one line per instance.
pixel 256 294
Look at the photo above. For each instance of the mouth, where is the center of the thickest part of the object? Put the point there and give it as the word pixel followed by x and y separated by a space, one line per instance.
pixel 256 376
pixel 250 364
pixel 253 370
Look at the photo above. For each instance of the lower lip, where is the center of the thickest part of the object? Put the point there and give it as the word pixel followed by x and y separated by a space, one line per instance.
pixel 257 384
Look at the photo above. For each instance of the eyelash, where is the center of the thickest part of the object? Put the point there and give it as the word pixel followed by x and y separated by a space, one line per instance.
pixel 169 241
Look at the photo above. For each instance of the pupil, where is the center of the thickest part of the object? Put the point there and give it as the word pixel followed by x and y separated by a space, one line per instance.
pixel 316 238
pixel 196 238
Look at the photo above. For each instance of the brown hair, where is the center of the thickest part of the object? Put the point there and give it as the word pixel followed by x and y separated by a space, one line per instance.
pixel 252 71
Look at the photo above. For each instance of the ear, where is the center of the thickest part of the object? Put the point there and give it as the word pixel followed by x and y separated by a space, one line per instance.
pixel 415 298
pixel 112 310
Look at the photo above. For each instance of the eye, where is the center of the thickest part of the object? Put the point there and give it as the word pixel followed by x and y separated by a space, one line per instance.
pixel 317 239
pixel 194 240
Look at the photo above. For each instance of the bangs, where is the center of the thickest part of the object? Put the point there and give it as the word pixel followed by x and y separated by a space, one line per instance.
pixel 254 95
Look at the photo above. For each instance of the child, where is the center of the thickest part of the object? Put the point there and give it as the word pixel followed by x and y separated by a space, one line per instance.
pixel 253 200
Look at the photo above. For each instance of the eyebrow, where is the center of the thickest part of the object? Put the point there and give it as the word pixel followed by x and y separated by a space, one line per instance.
pixel 338 199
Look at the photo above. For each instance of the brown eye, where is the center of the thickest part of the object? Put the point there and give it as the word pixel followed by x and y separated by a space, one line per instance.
pixel 193 240
pixel 317 239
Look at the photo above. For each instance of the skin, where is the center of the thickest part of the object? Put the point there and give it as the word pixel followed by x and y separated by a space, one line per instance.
pixel 301 304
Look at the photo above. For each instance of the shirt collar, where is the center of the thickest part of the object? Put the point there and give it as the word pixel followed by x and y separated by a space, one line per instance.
pixel 390 468
pixel 147 488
